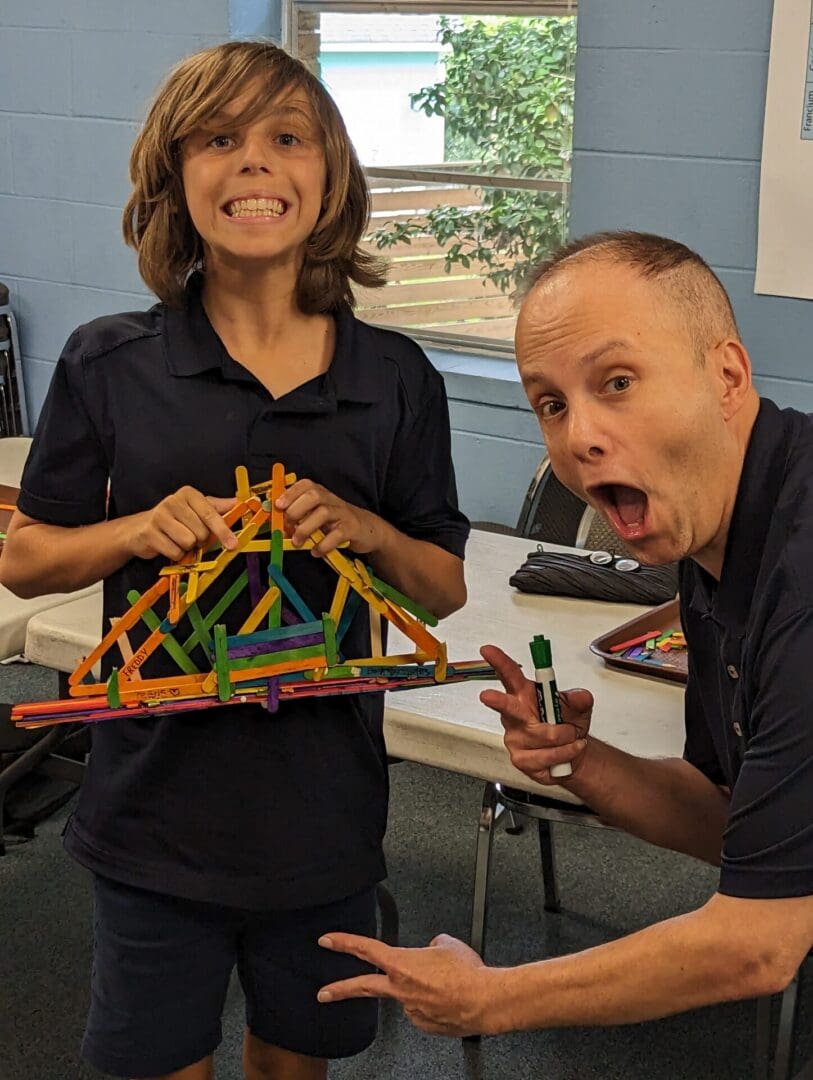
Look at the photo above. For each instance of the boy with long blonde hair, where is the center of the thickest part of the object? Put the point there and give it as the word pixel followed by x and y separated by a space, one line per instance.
pixel 231 838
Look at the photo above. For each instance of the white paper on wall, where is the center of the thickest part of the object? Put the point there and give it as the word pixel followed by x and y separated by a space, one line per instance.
pixel 785 242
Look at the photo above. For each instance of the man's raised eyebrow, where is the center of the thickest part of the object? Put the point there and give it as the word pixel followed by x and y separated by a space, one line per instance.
pixel 541 381
pixel 607 346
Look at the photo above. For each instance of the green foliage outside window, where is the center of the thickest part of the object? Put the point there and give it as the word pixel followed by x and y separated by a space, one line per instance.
pixel 507 99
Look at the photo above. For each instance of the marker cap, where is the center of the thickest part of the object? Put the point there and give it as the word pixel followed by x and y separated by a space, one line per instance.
pixel 541 652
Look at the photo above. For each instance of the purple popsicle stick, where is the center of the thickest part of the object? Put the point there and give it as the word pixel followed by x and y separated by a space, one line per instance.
pixel 276 646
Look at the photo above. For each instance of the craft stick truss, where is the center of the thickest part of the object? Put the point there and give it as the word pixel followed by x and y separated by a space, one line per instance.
pixel 281 651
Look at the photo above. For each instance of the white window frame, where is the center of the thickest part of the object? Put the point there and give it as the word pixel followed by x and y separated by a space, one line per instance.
pixel 291 12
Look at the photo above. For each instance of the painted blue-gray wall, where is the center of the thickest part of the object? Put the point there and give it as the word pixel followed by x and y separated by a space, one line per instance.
pixel 669 111
pixel 669 107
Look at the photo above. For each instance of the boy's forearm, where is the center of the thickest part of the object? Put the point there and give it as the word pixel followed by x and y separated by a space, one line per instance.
pixel 667 802
pixel 422 571
pixel 40 559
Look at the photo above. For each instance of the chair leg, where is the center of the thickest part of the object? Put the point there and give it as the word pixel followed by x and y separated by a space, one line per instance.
pixel 388 915
pixel 485 838
pixel 785 1036
pixel 547 853
pixel 762 1051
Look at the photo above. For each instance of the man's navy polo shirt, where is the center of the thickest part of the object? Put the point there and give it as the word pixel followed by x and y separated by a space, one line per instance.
pixel 235 805
pixel 749 700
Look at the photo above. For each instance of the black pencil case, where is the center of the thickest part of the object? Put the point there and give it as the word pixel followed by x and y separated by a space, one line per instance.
pixel 616 578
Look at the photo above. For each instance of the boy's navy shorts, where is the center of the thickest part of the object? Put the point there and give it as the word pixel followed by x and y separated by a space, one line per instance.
pixel 161 969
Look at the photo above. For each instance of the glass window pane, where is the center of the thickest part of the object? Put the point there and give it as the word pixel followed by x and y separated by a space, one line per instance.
pixel 484 94
pixel 457 254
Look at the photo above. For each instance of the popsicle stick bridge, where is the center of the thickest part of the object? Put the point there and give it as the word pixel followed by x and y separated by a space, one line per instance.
pixel 281 651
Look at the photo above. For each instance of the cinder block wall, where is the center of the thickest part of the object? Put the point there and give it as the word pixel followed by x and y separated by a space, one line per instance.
pixel 669 108
pixel 670 102
pixel 75 79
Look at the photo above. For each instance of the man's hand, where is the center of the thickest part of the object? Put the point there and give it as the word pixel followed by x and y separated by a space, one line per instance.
pixel 535 747
pixel 308 506
pixel 445 989
pixel 179 523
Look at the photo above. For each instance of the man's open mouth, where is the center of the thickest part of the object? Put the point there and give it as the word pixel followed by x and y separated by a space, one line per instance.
pixel 625 507
pixel 243 208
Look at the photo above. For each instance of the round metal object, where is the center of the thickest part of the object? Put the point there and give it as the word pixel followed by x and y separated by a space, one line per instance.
pixel 600 558
pixel 625 565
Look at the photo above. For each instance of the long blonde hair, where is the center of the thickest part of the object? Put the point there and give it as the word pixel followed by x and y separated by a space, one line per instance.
pixel 156 219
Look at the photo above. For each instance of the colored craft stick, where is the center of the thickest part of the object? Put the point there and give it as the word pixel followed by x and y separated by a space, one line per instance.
pixel 148 690
pixel 125 648
pixel 260 608
pixel 278 669
pixel 223 604
pixel 174 600
pixel 263 649
pixel 410 605
pixel 173 647
pixel 113 698
pixel 376 637
pixel 278 633
pixel 275 567
pixel 201 630
pixel 277 489
pixel 242 487
pixel 255 584
pixel 126 622
pixel 378 661
pixel 272 698
pixel 341 671
pixel 331 649
pixel 291 595
pixel 222 663
pixel 339 600
pixel 350 608
pixel 281 656
pixel 633 641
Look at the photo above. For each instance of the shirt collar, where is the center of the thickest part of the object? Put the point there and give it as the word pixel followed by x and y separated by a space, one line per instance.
pixel 728 602
pixel 192 347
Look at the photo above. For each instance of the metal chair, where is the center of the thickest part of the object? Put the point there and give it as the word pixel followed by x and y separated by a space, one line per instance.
pixel 551 513
pixel 785 1042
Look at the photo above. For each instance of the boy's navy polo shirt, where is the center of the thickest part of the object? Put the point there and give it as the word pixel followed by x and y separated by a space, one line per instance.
pixel 749 700
pixel 234 805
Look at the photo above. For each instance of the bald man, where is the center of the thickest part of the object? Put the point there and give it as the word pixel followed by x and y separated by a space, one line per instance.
pixel 630 356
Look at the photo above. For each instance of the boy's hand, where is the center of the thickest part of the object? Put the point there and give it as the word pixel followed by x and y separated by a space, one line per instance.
pixel 308 506
pixel 179 523
pixel 534 747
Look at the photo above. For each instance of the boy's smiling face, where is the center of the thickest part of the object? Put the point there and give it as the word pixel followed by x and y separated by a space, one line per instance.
pixel 254 189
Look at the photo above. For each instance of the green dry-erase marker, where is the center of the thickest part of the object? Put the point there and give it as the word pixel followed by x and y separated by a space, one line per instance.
pixel 547 696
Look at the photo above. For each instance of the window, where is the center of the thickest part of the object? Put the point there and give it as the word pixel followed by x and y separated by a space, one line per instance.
pixel 461 113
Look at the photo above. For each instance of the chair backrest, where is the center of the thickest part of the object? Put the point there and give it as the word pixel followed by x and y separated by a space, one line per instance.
pixel 554 514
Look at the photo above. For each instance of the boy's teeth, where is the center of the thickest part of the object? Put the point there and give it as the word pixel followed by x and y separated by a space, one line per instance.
pixel 256 208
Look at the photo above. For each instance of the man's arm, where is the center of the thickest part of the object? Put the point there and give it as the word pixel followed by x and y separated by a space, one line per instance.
pixel 667 802
pixel 727 950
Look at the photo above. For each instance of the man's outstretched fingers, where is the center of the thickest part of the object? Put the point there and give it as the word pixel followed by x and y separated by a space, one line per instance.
pixel 378 986
pixel 508 670
pixel 372 950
